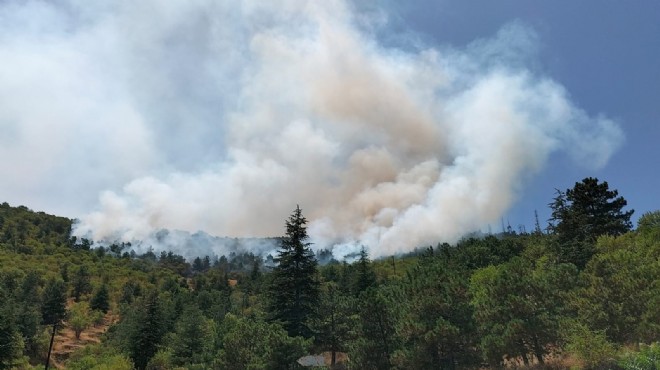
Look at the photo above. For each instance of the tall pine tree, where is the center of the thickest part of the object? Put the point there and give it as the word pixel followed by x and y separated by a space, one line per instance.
pixel 366 277
pixel 581 214
pixel 148 331
pixel 294 290
pixel 53 308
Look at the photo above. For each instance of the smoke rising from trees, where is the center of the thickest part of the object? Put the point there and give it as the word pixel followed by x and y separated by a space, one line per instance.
pixel 222 116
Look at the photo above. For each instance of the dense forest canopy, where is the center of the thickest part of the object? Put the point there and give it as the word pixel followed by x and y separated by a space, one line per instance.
pixel 584 293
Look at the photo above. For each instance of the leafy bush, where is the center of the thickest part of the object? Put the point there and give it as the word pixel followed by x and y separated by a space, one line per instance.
pixel 648 358
pixel 79 318
pixel 589 346
pixel 97 357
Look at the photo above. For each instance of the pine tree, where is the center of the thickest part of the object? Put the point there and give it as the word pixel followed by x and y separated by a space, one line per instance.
pixel 336 322
pixel 366 277
pixel 149 331
pixel 437 322
pixel 101 300
pixel 581 214
pixel 294 291
pixel 81 283
pixel 54 302
pixel 197 265
pixel 10 338
pixel 377 338
pixel 191 336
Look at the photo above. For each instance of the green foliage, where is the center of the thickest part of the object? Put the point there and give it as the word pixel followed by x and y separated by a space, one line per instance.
pixel 162 360
pixel 81 283
pixel 517 308
pixel 474 253
pixel 191 337
pixel 591 347
pixel 38 350
pixel 649 224
pixel 581 214
pixel 377 340
pixel 98 357
pixel 54 302
pixel 620 289
pixel 101 299
pixel 647 358
pixel 334 325
pixel 254 344
pixel 79 318
pixel 366 277
pixel 142 330
pixel 11 343
pixel 97 317
pixel 129 291
pixel 28 319
pixel 294 289
pixel 215 303
pixel 27 232
pixel 492 297
pixel 437 327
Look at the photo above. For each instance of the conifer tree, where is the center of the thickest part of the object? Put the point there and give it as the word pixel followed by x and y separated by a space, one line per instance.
pixel 81 283
pixel 377 340
pixel 336 322
pixel 581 214
pixel 54 302
pixel 294 291
pixel 10 338
pixel 101 300
pixel 366 277
pixel 191 336
pixel 148 332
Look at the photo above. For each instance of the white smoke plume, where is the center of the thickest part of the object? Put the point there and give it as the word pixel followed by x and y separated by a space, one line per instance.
pixel 222 116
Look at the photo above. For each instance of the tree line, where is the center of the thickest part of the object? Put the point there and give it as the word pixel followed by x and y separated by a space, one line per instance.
pixel 584 291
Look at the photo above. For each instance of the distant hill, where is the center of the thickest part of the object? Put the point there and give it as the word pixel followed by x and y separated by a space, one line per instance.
pixel 25 231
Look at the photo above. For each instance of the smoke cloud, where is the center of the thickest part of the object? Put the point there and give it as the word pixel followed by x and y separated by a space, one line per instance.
pixel 222 116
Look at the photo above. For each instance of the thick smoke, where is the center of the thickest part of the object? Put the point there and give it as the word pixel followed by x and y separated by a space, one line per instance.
pixel 222 116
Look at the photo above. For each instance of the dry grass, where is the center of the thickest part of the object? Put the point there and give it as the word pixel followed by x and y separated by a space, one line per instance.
pixel 65 342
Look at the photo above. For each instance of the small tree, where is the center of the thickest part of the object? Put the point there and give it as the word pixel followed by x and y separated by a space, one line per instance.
pixel 101 300
pixel 191 337
pixel 516 308
pixel 335 323
pixel 366 277
pixel 294 291
pixel 79 319
pixel 11 345
pixel 197 265
pixel 53 308
pixel 250 343
pixel 81 283
pixel 377 340
pixel 54 302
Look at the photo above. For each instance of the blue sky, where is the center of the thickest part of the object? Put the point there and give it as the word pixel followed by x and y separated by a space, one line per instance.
pixel 393 125
pixel 606 54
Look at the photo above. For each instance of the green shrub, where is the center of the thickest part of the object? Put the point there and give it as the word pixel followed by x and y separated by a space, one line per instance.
pixel 648 358
pixel 589 346
pixel 97 357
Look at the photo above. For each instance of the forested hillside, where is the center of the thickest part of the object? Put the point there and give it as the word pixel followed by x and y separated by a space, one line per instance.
pixel 583 292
